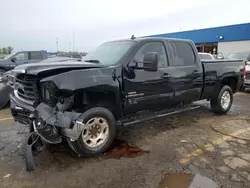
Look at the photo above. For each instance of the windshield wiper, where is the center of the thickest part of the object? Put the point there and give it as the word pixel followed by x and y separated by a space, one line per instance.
pixel 92 61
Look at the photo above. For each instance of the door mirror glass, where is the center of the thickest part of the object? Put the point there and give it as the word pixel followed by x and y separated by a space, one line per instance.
pixel 150 61
pixel 13 59
pixel 220 56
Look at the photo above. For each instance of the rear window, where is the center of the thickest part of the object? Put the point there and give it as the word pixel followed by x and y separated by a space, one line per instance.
pixel 182 53
pixel 36 55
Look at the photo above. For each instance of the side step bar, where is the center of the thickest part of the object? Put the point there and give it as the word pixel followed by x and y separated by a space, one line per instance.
pixel 158 115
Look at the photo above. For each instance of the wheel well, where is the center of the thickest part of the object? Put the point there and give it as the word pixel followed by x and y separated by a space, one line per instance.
pixel 89 99
pixel 231 82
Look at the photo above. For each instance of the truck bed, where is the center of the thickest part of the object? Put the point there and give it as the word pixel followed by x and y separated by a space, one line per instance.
pixel 216 70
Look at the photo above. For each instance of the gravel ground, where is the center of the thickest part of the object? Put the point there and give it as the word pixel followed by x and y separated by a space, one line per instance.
pixel 196 142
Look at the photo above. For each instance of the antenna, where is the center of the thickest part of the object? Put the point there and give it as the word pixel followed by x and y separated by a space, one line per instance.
pixel 132 37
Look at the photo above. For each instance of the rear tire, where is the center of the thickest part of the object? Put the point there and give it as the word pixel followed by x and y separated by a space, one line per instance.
pixel 222 103
pixel 98 133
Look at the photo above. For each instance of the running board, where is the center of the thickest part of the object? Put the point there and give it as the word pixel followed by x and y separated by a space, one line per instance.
pixel 159 114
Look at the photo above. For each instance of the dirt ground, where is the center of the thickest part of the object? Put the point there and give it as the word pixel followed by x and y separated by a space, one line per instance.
pixel 197 142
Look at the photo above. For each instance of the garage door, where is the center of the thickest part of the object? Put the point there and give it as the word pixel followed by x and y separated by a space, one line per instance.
pixel 228 47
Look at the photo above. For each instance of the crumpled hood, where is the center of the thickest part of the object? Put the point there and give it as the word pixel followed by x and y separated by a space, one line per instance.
pixel 37 68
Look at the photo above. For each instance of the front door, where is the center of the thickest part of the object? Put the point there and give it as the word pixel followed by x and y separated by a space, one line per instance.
pixel 20 58
pixel 146 90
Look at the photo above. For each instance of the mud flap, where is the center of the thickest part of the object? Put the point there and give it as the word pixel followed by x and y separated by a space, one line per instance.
pixel 29 159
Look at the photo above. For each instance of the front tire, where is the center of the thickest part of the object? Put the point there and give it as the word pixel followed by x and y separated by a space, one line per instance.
pixel 223 102
pixel 98 133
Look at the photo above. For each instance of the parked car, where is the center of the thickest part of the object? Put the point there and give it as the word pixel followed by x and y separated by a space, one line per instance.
pixel 84 102
pixel 206 56
pixel 19 58
pixel 245 56
pixel 6 89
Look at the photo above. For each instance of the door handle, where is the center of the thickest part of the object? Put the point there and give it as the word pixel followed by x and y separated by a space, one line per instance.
pixel 165 75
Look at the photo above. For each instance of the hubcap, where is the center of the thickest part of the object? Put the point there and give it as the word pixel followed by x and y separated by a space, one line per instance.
pixel 225 100
pixel 95 132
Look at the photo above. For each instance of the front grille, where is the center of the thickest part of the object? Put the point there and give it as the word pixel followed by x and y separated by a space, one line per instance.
pixel 26 87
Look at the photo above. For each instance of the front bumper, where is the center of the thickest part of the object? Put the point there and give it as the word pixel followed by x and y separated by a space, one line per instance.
pixel 68 124
pixel 20 111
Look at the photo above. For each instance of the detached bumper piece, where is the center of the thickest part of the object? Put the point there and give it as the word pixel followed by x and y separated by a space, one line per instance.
pixel 29 159
pixel 56 118
pixel 47 132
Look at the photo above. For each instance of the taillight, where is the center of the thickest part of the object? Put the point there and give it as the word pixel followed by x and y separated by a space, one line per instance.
pixel 245 73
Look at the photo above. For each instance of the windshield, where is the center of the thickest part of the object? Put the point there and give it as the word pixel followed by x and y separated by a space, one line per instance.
pixel 109 53
pixel 242 55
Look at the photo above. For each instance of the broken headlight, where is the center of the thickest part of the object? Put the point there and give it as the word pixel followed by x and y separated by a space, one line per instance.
pixel 48 92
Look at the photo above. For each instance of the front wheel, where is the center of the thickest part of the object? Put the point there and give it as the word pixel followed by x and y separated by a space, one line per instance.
pixel 223 102
pixel 98 133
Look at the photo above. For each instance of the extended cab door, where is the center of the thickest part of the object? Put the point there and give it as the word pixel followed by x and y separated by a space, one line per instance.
pixel 36 57
pixel 146 90
pixel 186 70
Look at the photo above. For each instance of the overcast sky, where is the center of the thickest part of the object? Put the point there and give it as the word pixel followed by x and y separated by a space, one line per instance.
pixel 33 24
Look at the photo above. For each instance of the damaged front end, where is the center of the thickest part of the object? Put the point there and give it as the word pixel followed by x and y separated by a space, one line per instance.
pixel 50 120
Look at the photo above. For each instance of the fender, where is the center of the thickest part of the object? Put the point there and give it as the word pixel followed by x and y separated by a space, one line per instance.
pixel 94 80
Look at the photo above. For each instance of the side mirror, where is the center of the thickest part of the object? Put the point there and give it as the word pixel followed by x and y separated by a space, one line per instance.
pixel 150 61
pixel 13 59
pixel 220 56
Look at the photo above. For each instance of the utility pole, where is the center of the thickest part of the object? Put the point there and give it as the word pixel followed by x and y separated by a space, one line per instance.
pixel 57 45
pixel 73 47
pixel 69 46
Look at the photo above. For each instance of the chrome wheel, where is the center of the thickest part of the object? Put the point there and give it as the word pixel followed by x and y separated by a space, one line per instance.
pixel 225 100
pixel 95 132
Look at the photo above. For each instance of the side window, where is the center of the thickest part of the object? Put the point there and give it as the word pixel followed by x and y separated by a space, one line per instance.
pixel 157 47
pixel 22 56
pixel 182 54
pixel 36 55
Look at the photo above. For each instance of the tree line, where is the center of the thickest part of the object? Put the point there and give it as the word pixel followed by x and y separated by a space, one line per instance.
pixel 6 50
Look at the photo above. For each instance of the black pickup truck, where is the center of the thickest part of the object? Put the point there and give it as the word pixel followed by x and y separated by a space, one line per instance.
pixel 85 102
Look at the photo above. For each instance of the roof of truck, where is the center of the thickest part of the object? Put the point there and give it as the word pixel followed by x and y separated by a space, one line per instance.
pixel 152 39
